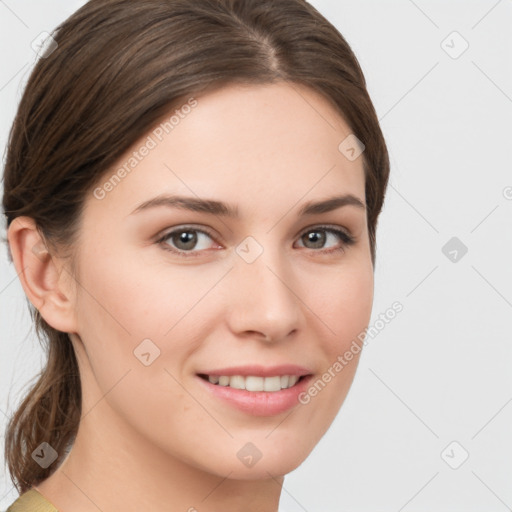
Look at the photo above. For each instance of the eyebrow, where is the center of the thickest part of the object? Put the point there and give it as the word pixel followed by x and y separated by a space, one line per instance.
pixel 225 210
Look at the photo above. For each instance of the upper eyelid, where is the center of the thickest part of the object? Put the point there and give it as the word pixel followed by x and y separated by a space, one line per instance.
pixel 184 227
pixel 334 227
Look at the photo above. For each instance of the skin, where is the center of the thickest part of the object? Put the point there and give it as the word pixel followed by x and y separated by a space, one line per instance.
pixel 152 432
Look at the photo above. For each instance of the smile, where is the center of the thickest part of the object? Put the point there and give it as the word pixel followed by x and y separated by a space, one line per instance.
pixel 256 395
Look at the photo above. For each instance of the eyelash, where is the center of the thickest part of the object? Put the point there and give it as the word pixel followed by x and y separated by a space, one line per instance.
pixel 347 240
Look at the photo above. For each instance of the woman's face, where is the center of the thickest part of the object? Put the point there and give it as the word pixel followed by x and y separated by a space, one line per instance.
pixel 249 284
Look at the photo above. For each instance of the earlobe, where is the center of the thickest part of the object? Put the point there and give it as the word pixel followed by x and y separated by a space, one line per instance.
pixel 44 278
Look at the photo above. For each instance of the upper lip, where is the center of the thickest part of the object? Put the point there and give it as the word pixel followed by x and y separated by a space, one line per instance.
pixel 260 371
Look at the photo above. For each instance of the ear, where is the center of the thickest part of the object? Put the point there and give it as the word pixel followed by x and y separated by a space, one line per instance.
pixel 47 283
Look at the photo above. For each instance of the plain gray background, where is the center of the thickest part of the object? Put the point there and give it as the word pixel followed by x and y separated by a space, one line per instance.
pixel 434 386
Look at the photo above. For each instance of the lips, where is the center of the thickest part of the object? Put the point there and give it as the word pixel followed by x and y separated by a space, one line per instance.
pixel 257 390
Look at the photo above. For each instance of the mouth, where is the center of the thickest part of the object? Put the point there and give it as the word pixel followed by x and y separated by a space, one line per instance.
pixel 254 383
pixel 272 392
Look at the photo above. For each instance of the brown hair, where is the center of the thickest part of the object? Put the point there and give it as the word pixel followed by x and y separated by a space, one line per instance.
pixel 118 68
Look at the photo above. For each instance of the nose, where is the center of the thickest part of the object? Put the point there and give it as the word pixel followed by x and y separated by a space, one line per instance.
pixel 262 299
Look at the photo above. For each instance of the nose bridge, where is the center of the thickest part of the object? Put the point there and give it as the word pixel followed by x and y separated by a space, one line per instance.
pixel 264 300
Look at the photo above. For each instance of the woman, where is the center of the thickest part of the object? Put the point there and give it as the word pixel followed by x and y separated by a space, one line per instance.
pixel 191 193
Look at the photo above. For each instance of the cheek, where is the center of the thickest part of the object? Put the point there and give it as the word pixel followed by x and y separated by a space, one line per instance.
pixel 355 303
pixel 123 302
pixel 126 300
pixel 137 299
pixel 343 306
pixel 342 303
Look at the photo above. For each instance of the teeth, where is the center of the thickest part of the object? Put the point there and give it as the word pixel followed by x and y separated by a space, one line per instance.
pixel 256 384
pixel 224 381
pixel 253 383
pixel 293 380
pixel 271 383
pixel 237 382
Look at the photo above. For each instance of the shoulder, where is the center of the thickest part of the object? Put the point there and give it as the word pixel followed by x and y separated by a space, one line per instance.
pixel 31 501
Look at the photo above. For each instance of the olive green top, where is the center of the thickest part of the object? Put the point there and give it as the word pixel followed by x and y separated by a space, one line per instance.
pixel 32 501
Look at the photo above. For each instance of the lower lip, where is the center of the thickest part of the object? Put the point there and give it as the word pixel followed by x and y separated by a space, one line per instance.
pixel 259 403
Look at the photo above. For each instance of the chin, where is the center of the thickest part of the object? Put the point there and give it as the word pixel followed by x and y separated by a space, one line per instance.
pixel 271 458
pixel 264 469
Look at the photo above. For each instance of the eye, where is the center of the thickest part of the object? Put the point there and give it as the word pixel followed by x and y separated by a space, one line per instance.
pixel 185 240
pixel 189 241
pixel 318 237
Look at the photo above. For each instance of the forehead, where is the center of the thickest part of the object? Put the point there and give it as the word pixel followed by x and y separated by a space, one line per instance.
pixel 276 142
